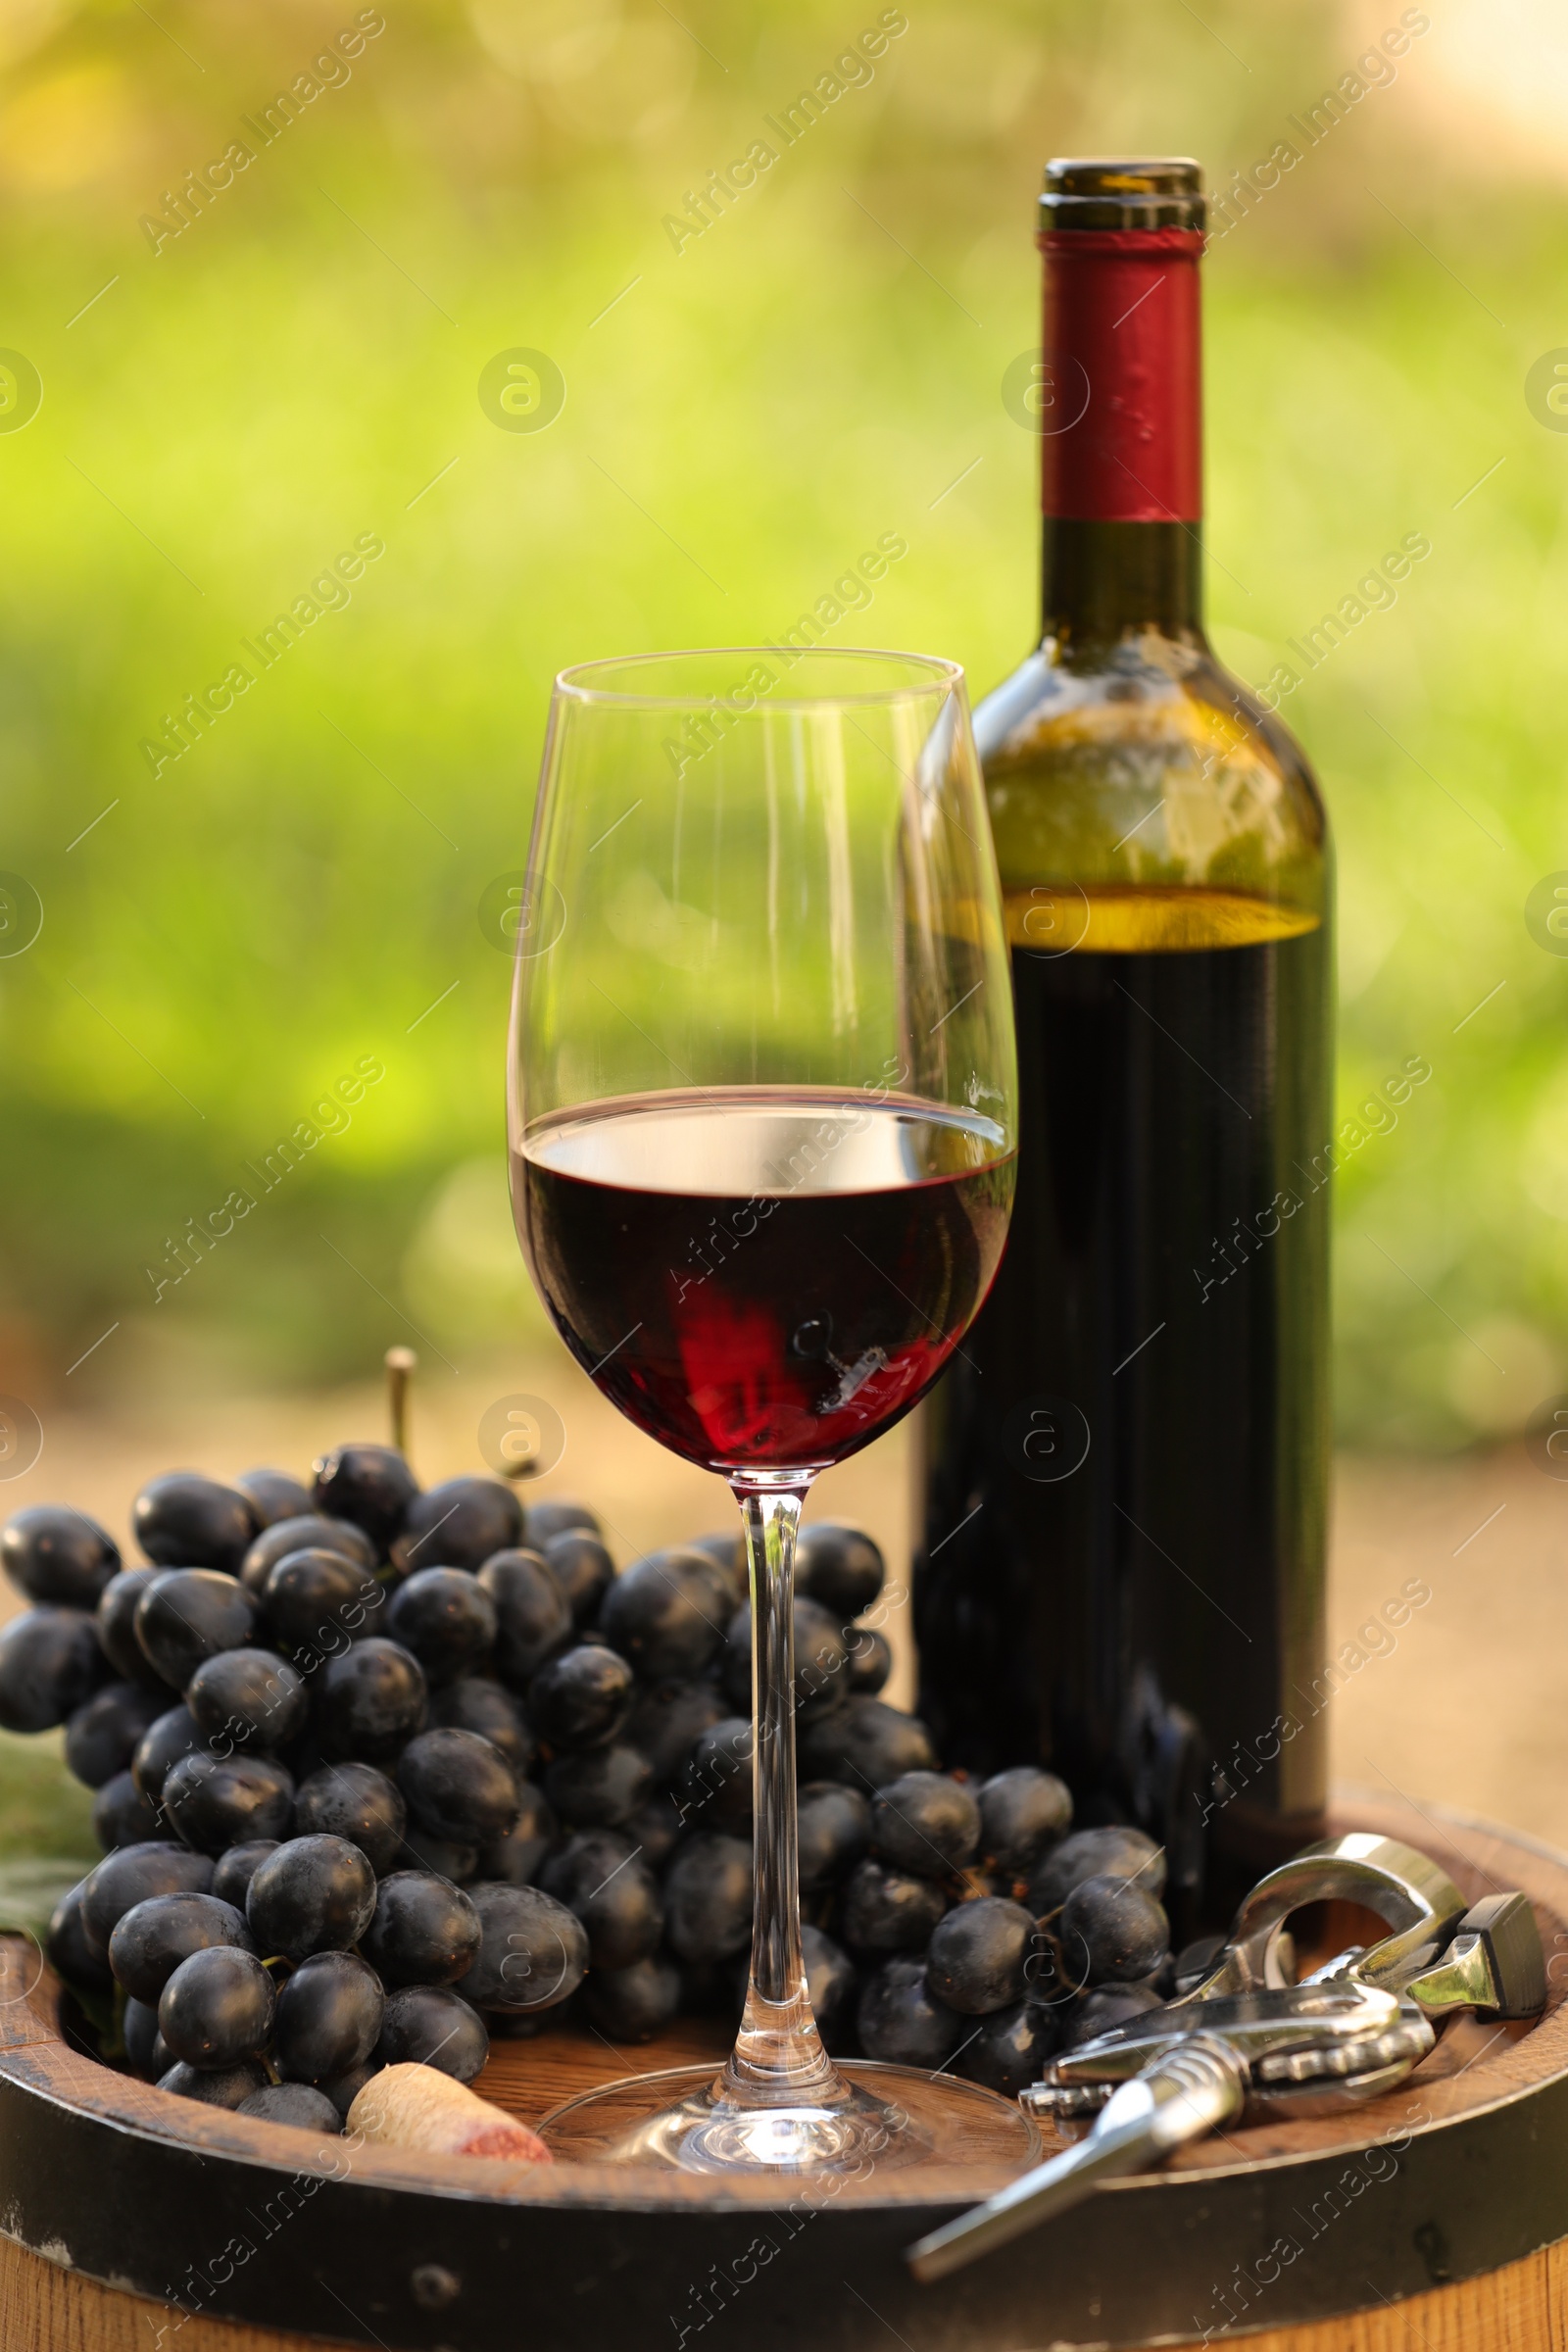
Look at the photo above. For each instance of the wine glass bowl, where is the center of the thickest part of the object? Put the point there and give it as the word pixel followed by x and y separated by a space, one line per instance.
pixel 761 1109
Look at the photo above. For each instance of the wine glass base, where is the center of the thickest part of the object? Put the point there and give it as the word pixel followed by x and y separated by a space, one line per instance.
pixel 873 2119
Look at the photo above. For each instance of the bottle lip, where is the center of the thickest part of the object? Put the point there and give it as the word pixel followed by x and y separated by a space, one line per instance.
pixel 1100 192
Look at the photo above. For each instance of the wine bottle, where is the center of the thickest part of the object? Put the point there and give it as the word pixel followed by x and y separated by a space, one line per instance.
pixel 1125 1469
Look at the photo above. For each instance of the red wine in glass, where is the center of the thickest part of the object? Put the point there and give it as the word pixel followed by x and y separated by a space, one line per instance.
pixel 761 1277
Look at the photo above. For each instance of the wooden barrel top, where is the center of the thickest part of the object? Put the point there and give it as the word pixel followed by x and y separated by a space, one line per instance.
pixel 231 2222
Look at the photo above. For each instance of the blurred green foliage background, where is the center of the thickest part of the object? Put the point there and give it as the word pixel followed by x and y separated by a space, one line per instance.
pixel 299 367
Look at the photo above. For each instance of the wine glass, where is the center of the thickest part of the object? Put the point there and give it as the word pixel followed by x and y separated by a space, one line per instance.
pixel 761 1080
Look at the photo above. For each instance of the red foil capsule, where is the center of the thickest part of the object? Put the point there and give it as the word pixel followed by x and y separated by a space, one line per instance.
pixel 1121 399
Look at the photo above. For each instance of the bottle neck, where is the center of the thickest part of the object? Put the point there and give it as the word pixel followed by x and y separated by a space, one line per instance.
pixel 1121 443
pixel 1102 582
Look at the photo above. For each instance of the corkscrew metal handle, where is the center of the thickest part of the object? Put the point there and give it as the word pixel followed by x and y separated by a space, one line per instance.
pixel 1191 2089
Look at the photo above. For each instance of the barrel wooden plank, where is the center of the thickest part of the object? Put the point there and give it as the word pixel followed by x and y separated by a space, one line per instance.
pixel 1521 2309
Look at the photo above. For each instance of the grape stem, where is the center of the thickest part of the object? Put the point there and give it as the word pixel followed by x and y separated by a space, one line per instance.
pixel 401 1363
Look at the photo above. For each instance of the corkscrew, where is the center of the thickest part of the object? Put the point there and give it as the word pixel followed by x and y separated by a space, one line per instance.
pixel 1247 2039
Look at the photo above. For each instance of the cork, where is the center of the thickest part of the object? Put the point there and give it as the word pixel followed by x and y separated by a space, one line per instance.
pixel 420 2107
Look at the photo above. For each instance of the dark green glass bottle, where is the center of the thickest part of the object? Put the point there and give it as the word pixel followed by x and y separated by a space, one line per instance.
pixel 1125 1472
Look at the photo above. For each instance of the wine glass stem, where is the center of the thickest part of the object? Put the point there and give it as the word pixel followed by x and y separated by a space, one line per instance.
pixel 778 2058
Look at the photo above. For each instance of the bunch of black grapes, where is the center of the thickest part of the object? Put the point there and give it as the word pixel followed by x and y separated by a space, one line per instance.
pixel 382 1773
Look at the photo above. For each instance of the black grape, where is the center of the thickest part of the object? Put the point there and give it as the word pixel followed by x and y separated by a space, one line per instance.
pixel 458 1524
pixel 476 1703
pixel 656 1827
pixel 314 1894
pixel 902 2022
pixel 116 1626
pixel 926 1823
pixel 600 1789
pixel 318 1601
pixel 227 2087
pixel 871 1660
pixel 458 1786
pixel 145 2047
pixel 716 1788
pixel 886 1910
pixel 188 1614
pixel 343 2090
pixel 707 1898
pixel 599 1876
pixel 834 1832
pixel 185 1521
pixel 443 1857
pixel 298 2104
pixel 355 1801
pixel 553 1518
pixel 633 2004
pixel 838 1566
pixel 666 1720
pixel 726 1546
pixel 70 1953
pixel 1115 1852
pixel 50 1663
pixel 428 2025
pixel 1011 2050
pixel 518 1855
pixel 372 1484
pixel 217 1802
pixel 312 1531
pixel 370 1701
pixel 217 2008
pixel 532 1617
pixel 582 1699
pixel 668 1613
pixel 52 1553
pixel 122 1816
pixel 272 1494
pixel 533 1952
pixel 131 1875
pixel 328 2017
pixel 1111 1933
pixel 1109 2005
pixel 446 1618
pixel 169 1735
pixel 104 1732
pixel 1023 1813
pixel 248 1698
pixel 866 1744
pixel 153 1937
pixel 583 1569
pixel 832 1983
pixel 235 1870
pixel 979 1955
pixel 424 1932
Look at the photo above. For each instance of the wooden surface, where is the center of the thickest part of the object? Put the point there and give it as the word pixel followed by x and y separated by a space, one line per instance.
pixel 530 2078
pixel 45 2308
pixel 1522 2309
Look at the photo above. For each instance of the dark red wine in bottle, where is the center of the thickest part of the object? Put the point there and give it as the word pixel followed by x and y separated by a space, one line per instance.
pixel 1125 1474
pixel 762 1279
